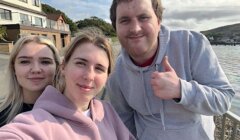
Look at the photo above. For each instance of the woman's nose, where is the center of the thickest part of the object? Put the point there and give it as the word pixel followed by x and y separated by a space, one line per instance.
pixel 36 68
pixel 89 74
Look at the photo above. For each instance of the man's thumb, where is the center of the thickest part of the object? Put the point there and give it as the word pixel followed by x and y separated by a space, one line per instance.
pixel 166 64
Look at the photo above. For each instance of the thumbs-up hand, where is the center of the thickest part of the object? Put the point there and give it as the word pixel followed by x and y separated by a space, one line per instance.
pixel 166 84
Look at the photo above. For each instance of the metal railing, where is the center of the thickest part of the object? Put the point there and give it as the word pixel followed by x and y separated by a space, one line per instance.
pixel 227 127
pixel 54 25
pixel 51 24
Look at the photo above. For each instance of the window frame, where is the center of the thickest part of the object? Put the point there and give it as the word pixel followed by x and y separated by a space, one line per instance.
pixel 38 21
pixel 36 3
pixel 5 14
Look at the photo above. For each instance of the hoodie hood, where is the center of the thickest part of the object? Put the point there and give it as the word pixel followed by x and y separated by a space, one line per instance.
pixel 59 105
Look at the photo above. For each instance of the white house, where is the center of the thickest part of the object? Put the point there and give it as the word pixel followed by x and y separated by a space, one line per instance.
pixel 25 17
pixel 22 12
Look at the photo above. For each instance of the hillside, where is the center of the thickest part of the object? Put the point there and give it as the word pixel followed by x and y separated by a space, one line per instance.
pixel 224 34
pixel 97 22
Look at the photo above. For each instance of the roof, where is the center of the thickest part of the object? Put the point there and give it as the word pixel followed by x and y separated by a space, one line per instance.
pixel 54 17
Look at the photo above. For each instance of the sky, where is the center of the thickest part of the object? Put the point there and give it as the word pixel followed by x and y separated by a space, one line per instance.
pixel 196 15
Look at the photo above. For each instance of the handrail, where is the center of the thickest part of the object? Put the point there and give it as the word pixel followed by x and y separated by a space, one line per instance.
pixel 227 127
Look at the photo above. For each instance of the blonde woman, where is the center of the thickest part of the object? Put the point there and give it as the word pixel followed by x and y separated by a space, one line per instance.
pixel 32 66
pixel 71 111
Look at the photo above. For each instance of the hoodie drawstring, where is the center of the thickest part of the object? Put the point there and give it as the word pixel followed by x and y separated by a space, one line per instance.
pixel 147 103
pixel 162 106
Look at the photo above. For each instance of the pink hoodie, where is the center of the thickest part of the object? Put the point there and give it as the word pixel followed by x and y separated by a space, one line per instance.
pixel 54 117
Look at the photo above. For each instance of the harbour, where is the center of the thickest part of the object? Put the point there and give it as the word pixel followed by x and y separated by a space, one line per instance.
pixel 228 56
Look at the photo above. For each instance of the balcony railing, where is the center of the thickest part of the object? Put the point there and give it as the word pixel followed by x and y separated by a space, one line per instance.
pixel 29 23
pixel 26 22
pixel 227 127
pixel 51 24
pixel 54 25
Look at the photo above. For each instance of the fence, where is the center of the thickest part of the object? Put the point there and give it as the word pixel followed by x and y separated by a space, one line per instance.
pixel 6 47
pixel 227 127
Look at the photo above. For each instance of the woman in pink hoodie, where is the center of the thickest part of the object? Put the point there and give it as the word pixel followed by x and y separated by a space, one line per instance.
pixel 69 110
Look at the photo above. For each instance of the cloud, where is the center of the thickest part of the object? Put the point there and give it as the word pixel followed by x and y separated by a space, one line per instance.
pixel 200 15
pixel 190 14
pixel 180 24
pixel 199 3
pixel 81 9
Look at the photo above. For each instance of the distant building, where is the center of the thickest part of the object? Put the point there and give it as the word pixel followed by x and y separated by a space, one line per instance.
pixel 211 38
pixel 25 17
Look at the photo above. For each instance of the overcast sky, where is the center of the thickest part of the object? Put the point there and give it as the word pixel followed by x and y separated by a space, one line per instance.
pixel 190 14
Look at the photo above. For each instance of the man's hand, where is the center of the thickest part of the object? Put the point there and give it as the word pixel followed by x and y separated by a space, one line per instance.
pixel 166 85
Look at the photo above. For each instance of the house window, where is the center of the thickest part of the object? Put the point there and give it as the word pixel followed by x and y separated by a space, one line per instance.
pixel 5 14
pixel 36 3
pixel 25 19
pixel 38 21
pixel 23 1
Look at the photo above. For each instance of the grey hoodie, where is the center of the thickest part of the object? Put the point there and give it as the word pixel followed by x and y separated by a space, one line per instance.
pixel 205 90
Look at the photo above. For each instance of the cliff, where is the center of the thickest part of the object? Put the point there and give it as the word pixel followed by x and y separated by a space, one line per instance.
pixel 229 34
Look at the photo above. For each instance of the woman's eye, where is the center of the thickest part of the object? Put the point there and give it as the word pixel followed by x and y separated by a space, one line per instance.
pixel 46 62
pixel 24 62
pixel 80 63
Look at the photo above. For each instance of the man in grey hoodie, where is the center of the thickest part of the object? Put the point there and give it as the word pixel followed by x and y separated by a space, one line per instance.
pixel 166 84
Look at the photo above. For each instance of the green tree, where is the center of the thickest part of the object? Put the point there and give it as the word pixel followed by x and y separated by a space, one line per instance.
pixel 97 22
pixel 3 32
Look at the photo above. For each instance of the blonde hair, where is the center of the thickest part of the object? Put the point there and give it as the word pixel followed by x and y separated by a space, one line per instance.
pixel 87 35
pixel 13 100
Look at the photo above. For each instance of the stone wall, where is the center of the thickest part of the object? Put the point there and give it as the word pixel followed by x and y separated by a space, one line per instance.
pixel 6 47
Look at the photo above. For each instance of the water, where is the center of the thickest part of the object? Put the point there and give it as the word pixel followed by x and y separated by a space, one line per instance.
pixel 229 58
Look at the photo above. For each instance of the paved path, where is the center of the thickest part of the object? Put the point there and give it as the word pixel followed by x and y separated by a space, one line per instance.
pixel 3 63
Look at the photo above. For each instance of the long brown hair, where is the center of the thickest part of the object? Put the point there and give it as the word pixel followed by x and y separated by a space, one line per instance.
pixel 87 35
